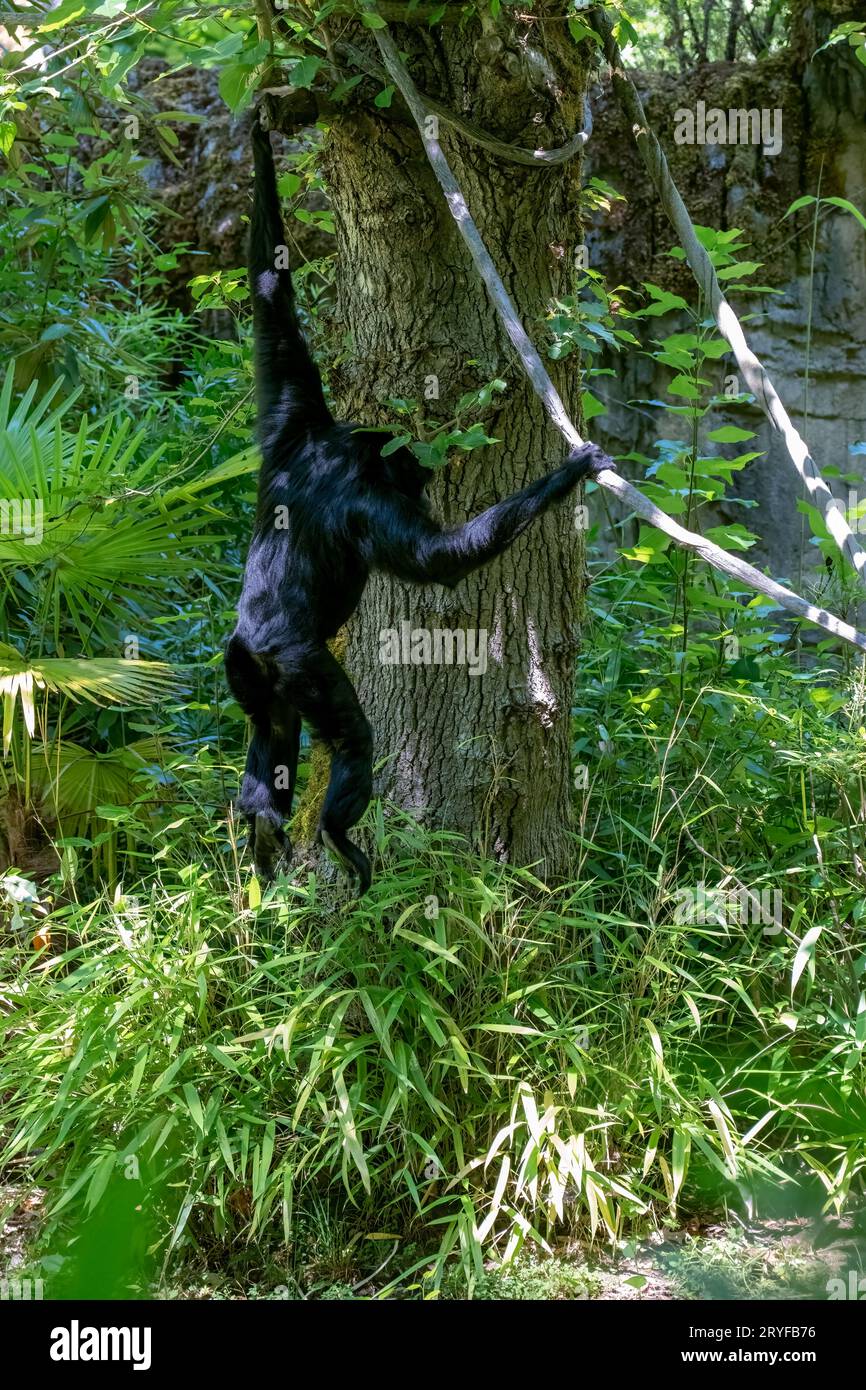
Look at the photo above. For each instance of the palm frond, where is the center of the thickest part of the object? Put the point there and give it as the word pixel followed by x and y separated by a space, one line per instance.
pixel 73 781
pixel 100 680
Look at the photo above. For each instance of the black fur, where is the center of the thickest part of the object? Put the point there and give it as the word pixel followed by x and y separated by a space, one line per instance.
pixel 330 510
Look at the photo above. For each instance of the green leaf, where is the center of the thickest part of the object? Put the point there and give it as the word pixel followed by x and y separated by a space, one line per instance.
pixel 798 203
pixel 664 301
pixel 680 1158
pixel 99 1182
pixel 236 86
pixel 847 31
pixel 383 100
pixel 103 679
pixel 398 442
pixel 730 434
pixel 56 330
pixel 194 1106
pixel 848 207
pixel 591 406
pixel 66 13
pixel 372 20
pixel 427 944
pixel 682 386
pixel 733 272
pixel 289 184
pixel 580 31
pixel 651 543
pixel 99 210
pixel 731 537
pixel 805 955
pixel 229 46
pixel 342 88
pixel 303 74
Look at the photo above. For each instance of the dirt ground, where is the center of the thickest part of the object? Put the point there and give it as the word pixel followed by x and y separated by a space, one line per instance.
pixel 796 1259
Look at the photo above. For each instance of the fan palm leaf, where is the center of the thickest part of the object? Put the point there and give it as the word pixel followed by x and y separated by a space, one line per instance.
pixel 99 680
pixel 74 781
pixel 88 531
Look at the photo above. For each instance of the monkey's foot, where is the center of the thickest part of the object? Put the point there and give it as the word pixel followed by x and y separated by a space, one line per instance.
pixel 272 848
pixel 352 860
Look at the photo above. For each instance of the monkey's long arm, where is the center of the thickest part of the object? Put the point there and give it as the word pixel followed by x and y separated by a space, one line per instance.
pixel 288 385
pixel 397 535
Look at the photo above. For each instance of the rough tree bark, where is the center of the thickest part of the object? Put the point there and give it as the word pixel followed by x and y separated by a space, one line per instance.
pixel 488 755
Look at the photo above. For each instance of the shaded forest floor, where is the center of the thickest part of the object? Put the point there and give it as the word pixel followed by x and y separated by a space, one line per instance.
pixel 795 1260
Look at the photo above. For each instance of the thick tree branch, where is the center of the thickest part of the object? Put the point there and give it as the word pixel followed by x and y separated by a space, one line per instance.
pixel 265 27
pixel 545 389
pixel 729 326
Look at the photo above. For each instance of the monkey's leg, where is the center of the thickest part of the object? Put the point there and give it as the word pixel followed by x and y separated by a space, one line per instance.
pixel 347 798
pixel 323 693
pixel 267 790
pixel 272 760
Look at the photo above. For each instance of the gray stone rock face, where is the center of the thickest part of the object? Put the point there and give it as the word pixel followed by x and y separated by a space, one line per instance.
pixel 206 193
pixel 818 315
pixel 818 318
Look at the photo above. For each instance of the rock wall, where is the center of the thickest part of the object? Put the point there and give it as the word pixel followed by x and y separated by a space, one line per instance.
pixel 823 105
pixel 823 109
pixel 206 194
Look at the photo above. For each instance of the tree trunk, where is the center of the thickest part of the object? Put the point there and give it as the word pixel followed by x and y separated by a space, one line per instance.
pixel 485 754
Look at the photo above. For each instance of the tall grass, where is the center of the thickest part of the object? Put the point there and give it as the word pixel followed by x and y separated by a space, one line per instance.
pixel 464 1062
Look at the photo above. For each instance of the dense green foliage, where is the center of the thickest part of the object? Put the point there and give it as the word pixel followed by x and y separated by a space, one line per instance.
pixel 468 1061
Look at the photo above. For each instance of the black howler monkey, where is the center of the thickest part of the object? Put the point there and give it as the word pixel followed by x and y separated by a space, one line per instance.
pixel 330 510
